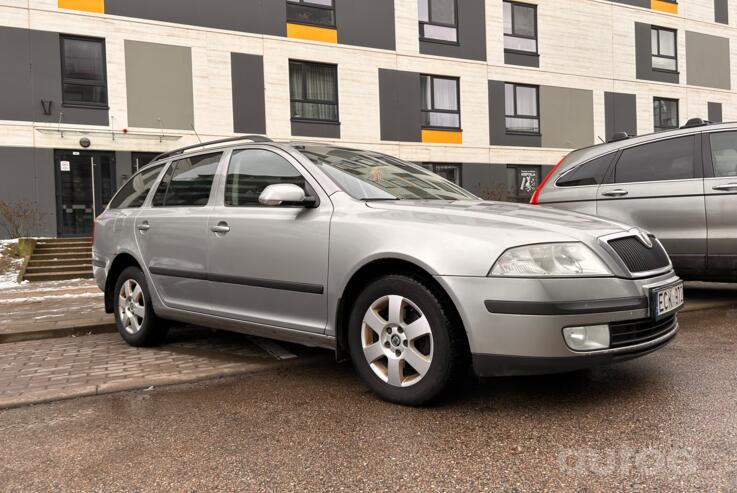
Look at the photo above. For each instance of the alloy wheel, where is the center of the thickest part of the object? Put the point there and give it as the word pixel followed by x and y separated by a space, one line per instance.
pixel 131 306
pixel 397 341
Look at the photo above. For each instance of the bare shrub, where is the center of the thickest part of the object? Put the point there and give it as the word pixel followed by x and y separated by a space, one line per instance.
pixel 20 219
pixel 497 192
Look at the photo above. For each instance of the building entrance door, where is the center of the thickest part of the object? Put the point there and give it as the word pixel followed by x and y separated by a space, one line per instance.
pixel 85 183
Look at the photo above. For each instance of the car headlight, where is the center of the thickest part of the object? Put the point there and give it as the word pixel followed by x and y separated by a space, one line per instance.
pixel 549 259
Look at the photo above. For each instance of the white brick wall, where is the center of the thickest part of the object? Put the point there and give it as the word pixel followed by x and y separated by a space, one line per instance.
pixel 585 44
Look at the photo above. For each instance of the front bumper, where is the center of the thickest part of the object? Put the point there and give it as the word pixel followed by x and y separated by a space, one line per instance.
pixel 515 326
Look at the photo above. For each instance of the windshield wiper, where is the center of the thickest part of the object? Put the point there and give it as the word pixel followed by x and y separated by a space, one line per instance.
pixel 374 199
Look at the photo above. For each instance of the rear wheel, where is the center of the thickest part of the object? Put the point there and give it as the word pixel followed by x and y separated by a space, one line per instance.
pixel 403 342
pixel 134 314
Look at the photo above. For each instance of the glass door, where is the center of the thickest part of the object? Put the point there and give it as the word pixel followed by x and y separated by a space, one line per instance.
pixel 85 183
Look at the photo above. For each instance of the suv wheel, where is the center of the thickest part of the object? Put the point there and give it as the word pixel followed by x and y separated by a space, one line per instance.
pixel 402 341
pixel 134 315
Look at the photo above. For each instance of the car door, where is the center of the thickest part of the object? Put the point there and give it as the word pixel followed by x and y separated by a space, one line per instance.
pixel 269 264
pixel 659 187
pixel 720 192
pixel 172 232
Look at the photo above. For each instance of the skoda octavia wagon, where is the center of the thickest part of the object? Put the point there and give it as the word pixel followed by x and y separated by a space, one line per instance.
pixel 408 275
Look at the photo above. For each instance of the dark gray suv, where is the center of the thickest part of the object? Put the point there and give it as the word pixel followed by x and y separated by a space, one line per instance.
pixel 679 184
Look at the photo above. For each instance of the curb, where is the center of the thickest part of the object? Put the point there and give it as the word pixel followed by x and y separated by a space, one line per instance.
pixel 132 384
pixel 73 331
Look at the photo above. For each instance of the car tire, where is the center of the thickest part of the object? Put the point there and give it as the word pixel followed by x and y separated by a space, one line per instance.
pixel 400 357
pixel 134 313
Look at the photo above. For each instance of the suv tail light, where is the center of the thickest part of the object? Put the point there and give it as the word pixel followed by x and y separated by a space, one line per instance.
pixel 536 195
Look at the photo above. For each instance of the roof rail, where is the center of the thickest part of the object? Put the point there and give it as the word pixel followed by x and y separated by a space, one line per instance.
pixel 181 150
pixel 619 136
pixel 696 122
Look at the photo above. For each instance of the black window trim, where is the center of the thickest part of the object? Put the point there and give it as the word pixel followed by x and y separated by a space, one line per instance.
pixel 311 101
pixel 527 117
pixel 535 37
pixel 83 82
pixel 669 57
pixel 678 114
pixel 614 157
pixel 307 3
pixel 432 102
pixel 440 24
pixel 170 166
pixel 154 185
pixel 431 165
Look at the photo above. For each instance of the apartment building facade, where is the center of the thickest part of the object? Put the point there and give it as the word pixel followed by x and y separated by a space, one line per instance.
pixel 489 93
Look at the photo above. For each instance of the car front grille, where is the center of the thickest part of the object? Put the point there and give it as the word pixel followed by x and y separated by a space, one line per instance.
pixel 639 331
pixel 639 258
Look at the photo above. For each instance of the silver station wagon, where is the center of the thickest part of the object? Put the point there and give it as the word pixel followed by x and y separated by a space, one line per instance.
pixel 408 275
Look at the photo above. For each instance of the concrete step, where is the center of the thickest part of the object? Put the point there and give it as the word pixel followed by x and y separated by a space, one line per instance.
pixel 58 276
pixel 70 244
pixel 65 261
pixel 61 256
pixel 51 269
pixel 65 240
pixel 54 249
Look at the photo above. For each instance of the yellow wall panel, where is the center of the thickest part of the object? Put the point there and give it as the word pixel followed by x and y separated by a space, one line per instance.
pixel 664 6
pixel 312 33
pixel 86 5
pixel 442 136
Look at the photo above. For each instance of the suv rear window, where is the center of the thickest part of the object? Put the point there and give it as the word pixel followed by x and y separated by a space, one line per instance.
pixel 187 182
pixel 671 159
pixel 590 173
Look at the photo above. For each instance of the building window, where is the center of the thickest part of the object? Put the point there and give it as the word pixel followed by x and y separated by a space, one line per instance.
pixel 440 102
pixel 438 20
pixel 451 172
pixel 84 78
pixel 664 50
pixel 520 27
pixel 522 181
pixel 312 12
pixel 665 113
pixel 314 91
pixel 521 108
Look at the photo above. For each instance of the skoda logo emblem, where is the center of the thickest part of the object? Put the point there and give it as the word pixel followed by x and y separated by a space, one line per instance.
pixel 643 237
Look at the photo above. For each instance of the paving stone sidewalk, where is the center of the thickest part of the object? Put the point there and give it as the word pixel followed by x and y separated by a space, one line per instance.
pixel 53 369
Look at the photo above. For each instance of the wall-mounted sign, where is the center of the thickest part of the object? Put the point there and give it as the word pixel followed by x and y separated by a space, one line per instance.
pixel 65 166
pixel 527 180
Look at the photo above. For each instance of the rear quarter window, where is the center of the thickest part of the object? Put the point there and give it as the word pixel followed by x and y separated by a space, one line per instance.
pixel 589 173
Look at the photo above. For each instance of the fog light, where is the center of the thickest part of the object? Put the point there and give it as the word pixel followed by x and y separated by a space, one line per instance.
pixel 587 338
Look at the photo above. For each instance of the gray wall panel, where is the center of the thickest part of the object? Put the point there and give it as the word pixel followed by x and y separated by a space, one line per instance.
pixel 566 117
pixel 715 112
pixel 273 17
pixel 16 98
pixel 471 34
pixel 708 60
pixel 620 111
pixel 249 110
pixel 123 167
pixel 488 181
pixel 497 121
pixel 644 62
pixel 318 130
pixel 363 23
pixel 524 59
pixel 168 96
pixel 400 106
pixel 28 175
pixel 721 11
pixel 636 3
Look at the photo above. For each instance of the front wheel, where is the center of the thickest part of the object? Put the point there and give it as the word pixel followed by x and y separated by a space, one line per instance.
pixel 134 314
pixel 403 342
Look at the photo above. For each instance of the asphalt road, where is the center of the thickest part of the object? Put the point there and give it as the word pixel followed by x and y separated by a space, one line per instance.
pixel 665 422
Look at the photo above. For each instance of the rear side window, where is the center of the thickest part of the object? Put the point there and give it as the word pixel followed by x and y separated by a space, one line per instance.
pixel 134 192
pixel 590 173
pixel 724 153
pixel 671 159
pixel 252 170
pixel 187 182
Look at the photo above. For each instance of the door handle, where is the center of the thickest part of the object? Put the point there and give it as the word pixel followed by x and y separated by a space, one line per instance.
pixel 220 228
pixel 615 193
pixel 144 226
pixel 729 187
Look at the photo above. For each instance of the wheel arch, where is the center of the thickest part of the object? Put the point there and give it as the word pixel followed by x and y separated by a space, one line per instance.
pixel 121 262
pixel 375 269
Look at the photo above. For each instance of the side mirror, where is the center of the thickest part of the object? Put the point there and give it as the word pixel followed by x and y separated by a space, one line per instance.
pixel 277 194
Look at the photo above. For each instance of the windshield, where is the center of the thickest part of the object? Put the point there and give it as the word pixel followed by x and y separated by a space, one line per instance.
pixel 367 175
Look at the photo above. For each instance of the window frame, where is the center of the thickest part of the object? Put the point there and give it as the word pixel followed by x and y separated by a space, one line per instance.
pixel 292 99
pixel 432 102
pixel 440 24
pixel 432 166
pixel 523 36
pixel 657 128
pixel 515 85
pixel 83 82
pixel 307 3
pixel 659 55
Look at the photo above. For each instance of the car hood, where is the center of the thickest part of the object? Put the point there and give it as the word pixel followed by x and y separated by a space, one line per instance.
pixel 506 220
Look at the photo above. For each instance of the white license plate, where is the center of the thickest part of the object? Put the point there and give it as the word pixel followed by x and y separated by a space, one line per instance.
pixel 667 300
